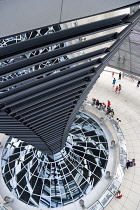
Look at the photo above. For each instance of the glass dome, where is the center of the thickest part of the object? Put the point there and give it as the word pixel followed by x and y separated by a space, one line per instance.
pixel 42 180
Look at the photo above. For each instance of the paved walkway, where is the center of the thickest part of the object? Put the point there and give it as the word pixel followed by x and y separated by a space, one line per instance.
pixel 127 108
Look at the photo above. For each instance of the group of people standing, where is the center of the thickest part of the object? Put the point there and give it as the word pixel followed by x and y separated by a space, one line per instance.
pixel 118 87
pixel 103 106
pixel 98 104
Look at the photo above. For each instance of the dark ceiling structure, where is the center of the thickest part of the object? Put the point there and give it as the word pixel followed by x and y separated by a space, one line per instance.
pixel 46 74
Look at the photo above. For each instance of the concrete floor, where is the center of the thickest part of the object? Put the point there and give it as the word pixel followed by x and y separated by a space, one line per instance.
pixel 127 108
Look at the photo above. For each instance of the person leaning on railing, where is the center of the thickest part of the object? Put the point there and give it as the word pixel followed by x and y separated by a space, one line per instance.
pixel 119 194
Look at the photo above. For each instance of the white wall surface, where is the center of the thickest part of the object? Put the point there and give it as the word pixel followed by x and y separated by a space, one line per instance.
pixel 22 15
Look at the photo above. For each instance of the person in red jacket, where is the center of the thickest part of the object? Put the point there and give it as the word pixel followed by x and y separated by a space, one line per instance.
pixel 117 88
pixel 119 194
pixel 108 103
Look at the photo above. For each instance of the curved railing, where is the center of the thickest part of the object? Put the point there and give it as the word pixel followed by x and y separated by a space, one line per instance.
pixel 117 177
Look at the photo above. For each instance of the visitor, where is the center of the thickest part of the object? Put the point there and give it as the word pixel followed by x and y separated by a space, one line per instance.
pixel 132 163
pixel 108 110
pixel 128 164
pixel 118 120
pixel 138 83
pixel 113 82
pixel 103 106
pixel 108 103
pixel 116 89
pixel 119 194
pixel 120 75
pixel 120 87
pixel 97 102
pixel 93 101
pixel 100 106
pixel 112 112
